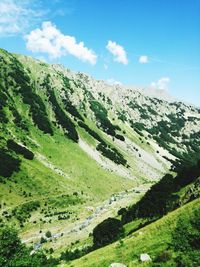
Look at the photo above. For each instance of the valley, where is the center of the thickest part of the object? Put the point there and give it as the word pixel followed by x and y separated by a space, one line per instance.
pixel 74 151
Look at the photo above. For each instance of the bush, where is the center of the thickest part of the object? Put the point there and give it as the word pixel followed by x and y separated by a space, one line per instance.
pixel 106 232
pixel 186 240
pixel 120 137
pixel 8 164
pixel 164 256
pixel 187 233
pixel 3 117
pixel 72 109
pixel 48 234
pixel 111 153
pixel 69 255
pixel 121 211
pixel 23 212
pixel 184 260
pixel 91 132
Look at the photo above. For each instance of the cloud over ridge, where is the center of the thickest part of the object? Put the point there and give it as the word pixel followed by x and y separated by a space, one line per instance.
pixel 52 41
pixel 161 84
pixel 118 52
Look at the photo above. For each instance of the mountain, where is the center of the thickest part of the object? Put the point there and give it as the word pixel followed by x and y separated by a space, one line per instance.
pixel 73 149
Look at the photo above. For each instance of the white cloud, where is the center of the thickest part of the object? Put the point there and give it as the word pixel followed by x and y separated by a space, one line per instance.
pixel 118 52
pixel 105 66
pixel 143 59
pixel 112 81
pixel 161 84
pixel 50 40
pixel 16 16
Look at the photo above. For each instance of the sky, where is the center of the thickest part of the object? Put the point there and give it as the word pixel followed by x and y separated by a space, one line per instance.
pixel 144 43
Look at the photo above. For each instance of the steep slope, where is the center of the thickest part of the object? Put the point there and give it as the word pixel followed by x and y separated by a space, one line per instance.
pixel 153 239
pixel 168 194
pixel 69 142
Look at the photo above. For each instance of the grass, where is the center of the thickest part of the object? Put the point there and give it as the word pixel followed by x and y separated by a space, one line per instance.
pixel 151 239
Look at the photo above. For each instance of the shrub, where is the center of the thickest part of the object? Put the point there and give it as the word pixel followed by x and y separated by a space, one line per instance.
pixel 111 153
pixel 106 232
pixel 91 132
pixel 8 164
pixel 48 234
pixel 69 255
pixel 160 198
pixel 121 211
pixel 72 109
pixel 164 256
pixel 187 233
pixel 120 137
pixel 23 212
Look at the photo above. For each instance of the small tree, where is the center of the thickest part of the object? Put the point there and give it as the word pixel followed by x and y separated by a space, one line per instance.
pixel 48 234
pixel 121 211
pixel 106 232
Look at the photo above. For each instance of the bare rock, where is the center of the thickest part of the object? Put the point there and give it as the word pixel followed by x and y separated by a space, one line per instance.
pixel 145 257
pixel 116 264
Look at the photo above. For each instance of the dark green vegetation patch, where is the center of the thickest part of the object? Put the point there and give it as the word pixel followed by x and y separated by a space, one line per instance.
pixel 14 253
pixel 106 232
pixel 111 153
pixel 101 115
pixel 162 198
pixel 8 163
pixel 61 116
pixel 21 83
pixel 23 212
pixel 20 149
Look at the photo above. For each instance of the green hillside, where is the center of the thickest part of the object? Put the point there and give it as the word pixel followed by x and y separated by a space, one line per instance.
pixel 153 239
pixel 75 150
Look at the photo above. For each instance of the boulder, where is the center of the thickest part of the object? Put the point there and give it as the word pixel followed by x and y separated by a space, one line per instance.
pixel 145 257
pixel 116 264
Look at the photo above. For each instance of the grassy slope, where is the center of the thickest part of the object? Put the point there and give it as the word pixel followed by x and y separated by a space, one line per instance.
pixel 96 183
pixel 89 179
pixel 83 174
pixel 151 239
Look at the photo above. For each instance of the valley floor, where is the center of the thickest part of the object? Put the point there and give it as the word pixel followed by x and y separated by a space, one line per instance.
pixel 65 233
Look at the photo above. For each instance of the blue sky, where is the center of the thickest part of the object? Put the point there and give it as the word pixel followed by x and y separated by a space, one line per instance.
pixel 136 42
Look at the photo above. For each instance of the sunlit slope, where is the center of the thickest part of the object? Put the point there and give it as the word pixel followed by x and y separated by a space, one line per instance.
pixel 151 239
pixel 68 141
